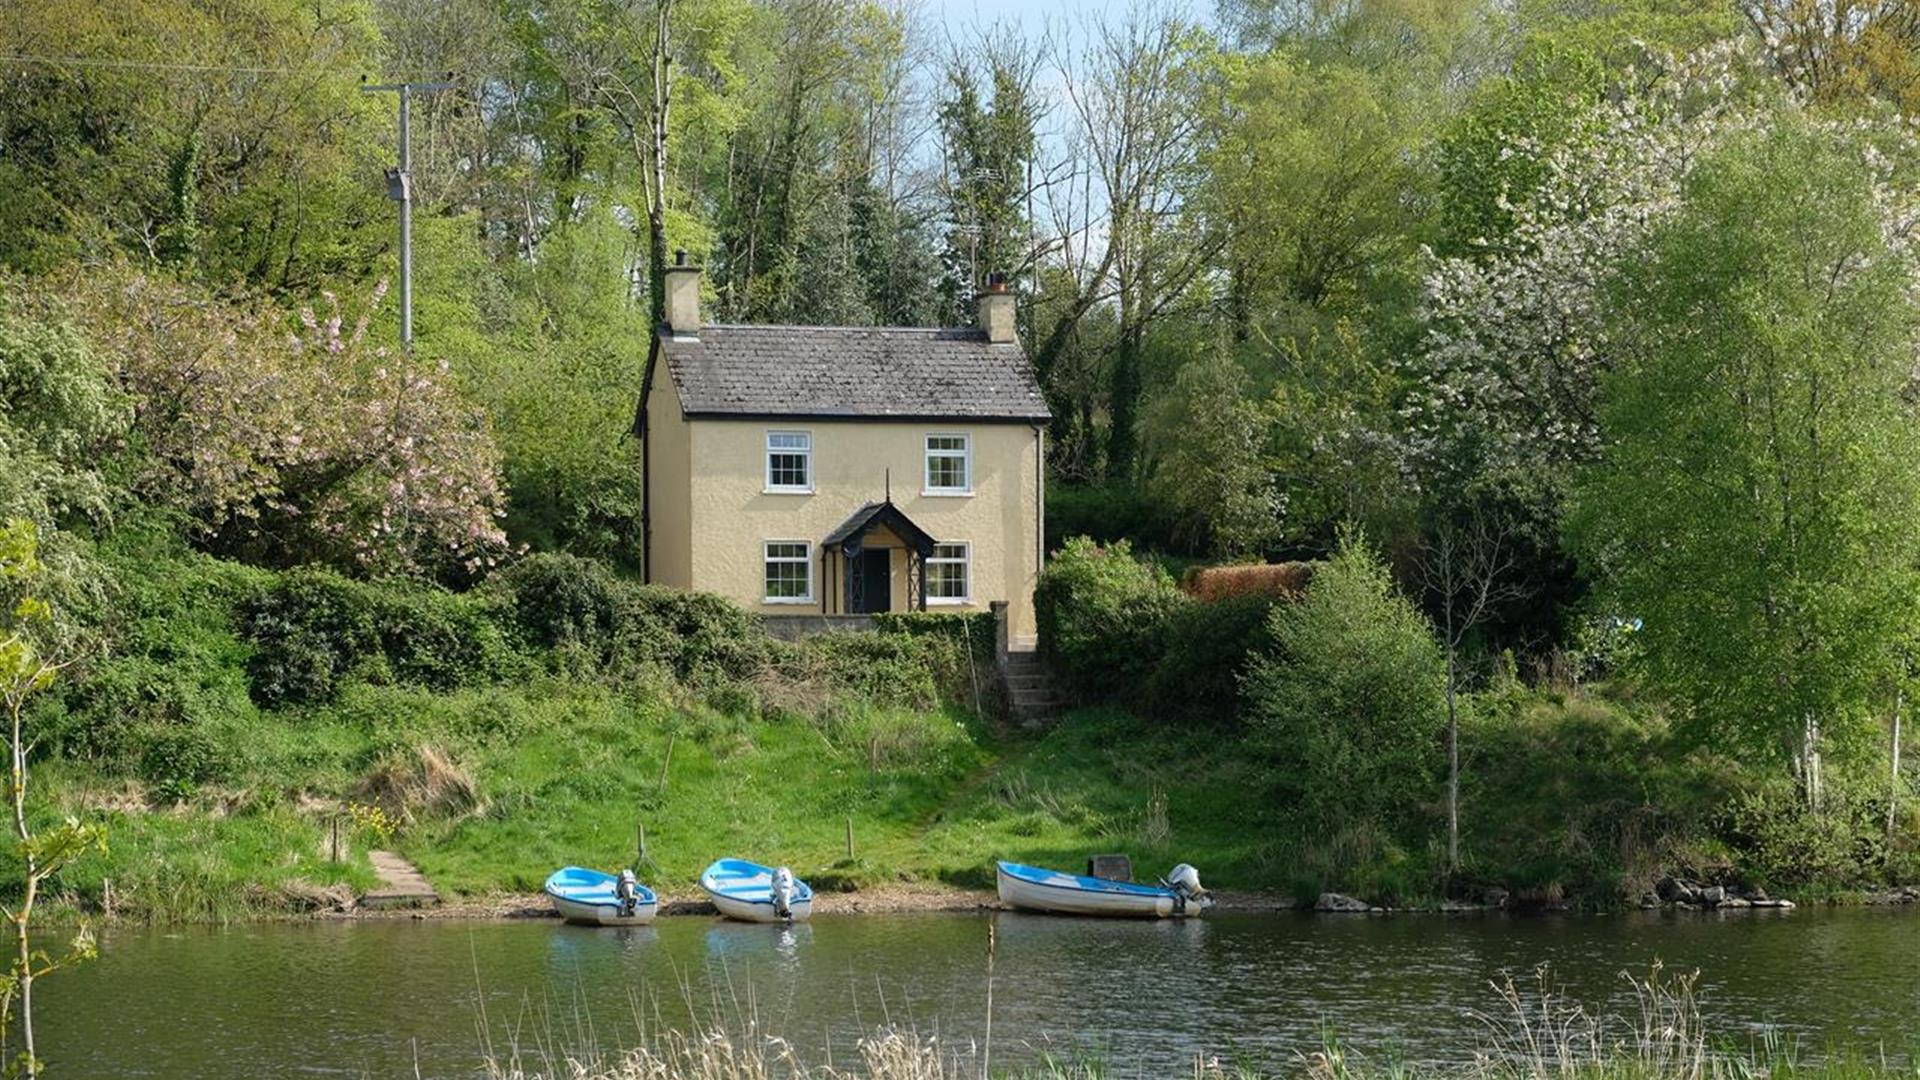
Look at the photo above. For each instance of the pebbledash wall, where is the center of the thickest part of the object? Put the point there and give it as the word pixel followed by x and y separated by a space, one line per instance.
pixel 711 512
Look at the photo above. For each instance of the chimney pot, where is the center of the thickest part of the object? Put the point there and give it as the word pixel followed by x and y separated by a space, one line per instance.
pixel 680 257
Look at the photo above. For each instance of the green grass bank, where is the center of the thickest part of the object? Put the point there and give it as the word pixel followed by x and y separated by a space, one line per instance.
pixel 230 725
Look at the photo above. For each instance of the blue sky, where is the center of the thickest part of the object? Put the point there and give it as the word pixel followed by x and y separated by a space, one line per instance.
pixel 1031 14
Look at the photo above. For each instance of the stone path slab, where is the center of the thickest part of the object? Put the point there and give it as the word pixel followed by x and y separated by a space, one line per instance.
pixel 401 886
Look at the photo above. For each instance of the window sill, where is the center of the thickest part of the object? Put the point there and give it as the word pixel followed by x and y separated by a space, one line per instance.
pixel 949 601
pixel 786 491
pixel 787 601
pixel 946 493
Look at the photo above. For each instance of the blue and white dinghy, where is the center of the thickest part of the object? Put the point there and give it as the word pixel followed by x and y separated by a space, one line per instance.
pixel 1031 888
pixel 754 893
pixel 596 899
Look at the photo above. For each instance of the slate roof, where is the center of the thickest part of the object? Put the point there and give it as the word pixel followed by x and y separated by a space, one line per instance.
pixel 835 371
pixel 880 513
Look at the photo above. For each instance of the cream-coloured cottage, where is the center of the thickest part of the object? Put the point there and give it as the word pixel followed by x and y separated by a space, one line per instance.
pixel 826 470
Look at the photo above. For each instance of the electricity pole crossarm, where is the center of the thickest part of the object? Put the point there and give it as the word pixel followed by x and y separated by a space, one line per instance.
pixel 400 190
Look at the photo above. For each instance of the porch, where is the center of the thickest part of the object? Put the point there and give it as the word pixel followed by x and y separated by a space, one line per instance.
pixel 875 561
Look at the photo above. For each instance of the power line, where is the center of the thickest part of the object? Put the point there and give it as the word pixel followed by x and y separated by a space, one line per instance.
pixel 152 65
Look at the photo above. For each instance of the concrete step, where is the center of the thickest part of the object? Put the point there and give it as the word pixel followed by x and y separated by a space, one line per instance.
pixel 1031 681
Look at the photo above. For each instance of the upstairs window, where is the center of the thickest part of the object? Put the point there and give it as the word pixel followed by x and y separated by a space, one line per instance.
pixel 949 574
pixel 949 465
pixel 789 461
pixel 789 571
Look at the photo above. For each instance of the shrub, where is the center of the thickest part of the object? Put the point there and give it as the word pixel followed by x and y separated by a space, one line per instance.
pixel 169 651
pixel 1101 615
pixel 312 629
pixel 1347 701
pixel 1204 653
pixel 309 628
pixel 1110 514
pixel 910 670
pixel 573 604
pixel 177 758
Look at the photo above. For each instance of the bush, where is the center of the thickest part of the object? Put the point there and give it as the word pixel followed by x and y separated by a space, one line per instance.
pixel 909 670
pixel 1347 702
pixel 1111 514
pixel 312 629
pixel 1204 653
pixel 575 605
pixel 169 652
pixel 176 759
pixel 1101 614
pixel 976 629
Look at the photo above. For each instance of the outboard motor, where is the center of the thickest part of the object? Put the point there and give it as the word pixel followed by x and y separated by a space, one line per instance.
pixel 1184 880
pixel 783 893
pixel 627 891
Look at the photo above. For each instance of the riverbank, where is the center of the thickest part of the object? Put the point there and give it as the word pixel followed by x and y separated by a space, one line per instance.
pixel 575 773
pixel 895 899
pixel 254 735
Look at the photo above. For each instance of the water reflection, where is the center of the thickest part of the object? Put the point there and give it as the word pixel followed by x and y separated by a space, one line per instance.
pixel 362 999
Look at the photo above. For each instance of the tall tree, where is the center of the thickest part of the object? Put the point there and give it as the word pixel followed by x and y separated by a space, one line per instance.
pixel 987 117
pixel 262 164
pixel 1134 90
pixel 1758 505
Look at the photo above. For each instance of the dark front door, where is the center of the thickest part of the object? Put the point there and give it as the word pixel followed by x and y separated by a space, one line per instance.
pixel 873 581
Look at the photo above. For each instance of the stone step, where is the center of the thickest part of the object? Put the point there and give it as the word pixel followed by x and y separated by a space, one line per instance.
pixel 1033 681
pixel 401 885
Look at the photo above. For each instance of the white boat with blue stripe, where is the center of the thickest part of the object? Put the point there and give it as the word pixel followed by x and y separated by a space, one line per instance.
pixel 1032 888
pixel 596 899
pixel 753 893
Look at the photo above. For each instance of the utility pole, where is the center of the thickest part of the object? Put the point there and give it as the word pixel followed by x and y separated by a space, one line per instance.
pixel 400 190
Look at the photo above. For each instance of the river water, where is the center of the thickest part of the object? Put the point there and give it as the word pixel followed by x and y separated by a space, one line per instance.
pixel 377 998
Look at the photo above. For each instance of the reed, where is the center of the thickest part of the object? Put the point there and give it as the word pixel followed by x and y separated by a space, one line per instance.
pixel 1533 1031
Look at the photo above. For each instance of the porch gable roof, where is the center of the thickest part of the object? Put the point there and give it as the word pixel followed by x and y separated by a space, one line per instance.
pixel 851 531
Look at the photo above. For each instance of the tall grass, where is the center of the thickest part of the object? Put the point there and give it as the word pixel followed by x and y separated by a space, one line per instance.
pixel 1533 1032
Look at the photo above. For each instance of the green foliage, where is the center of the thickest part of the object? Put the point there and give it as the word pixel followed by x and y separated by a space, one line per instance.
pixel 177 759
pixel 1213 471
pixel 915 671
pixel 312 629
pixel 581 609
pixel 540 347
pixel 61 416
pixel 1581 797
pixel 1200 677
pixel 1111 513
pixel 1759 506
pixel 1347 704
pixel 264 169
pixel 1493 156
pixel 1100 612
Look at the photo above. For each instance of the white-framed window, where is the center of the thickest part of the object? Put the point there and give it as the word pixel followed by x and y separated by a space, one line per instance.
pixel 949 465
pixel 790 461
pixel 789 571
pixel 950 573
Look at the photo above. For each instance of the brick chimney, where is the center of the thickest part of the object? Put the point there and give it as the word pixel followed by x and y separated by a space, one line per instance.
pixel 996 311
pixel 683 296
